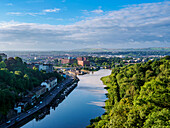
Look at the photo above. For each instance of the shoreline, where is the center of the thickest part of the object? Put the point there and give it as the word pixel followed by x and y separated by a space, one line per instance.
pixel 46 101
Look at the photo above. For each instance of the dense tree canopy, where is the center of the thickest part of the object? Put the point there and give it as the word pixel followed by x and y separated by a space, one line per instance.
pixel 16 79
pixel 138 96
pixel 103 61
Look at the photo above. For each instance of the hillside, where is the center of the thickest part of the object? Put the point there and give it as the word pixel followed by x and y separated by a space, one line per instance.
pixel 16 80
pixel 120 50
pixel 138 96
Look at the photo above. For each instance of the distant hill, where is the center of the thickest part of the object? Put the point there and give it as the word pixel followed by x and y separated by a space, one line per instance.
pixel 86 51
pixel 118 50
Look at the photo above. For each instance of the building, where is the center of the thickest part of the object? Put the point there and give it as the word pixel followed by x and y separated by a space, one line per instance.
pixel 84 63
pixel 81 59
pixel 3 56
pixel 50 83
pixel 36 65
pixel 46 84
pixel 46 67
pixel 23 105
pixel 18 109
pixel 30 98
pixel 67 61
pixel 39 91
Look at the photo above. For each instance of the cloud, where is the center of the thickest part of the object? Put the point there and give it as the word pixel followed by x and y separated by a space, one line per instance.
pixel 43 12
pixel 98 11
pixel 52 10
pixel 143 25
pixel 9 4
pixel 14 13
pixel 26 13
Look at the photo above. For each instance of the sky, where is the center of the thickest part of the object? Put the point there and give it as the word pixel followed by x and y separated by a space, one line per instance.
pixel 50 25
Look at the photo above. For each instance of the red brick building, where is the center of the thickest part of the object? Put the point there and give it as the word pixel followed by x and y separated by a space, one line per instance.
pixel 67 61
pixel 83 63
pixel 81 59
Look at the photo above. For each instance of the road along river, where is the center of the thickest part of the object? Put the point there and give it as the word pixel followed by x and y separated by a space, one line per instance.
pixel 82 104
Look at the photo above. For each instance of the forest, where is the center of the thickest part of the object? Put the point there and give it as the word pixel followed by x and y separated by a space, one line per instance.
pixel 103 61
pixel 138 96
pixel 16 80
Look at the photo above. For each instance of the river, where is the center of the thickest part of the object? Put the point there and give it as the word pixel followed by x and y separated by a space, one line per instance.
pixel 82 104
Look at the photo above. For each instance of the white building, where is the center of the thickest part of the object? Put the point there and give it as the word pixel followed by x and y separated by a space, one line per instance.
pixel 18 109
pixel 50 83
pixel 46 84
pixel 46 67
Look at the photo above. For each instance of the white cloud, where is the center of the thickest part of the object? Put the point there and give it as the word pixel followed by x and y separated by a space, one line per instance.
pixel 98 11
pixel 52 10
pixel 9 4
pixel 26 13
pixel 14 13
pixel 144 25
pixel 43 12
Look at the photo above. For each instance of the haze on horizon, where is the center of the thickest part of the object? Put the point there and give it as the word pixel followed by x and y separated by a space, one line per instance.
pixel 76 24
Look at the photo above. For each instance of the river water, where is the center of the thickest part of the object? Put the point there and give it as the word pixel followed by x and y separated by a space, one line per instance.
pixel 82 104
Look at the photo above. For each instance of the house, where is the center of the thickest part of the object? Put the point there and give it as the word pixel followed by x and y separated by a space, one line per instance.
pixel 30 98
pixel 46 67
pixel 18 109
pixel 39 91
pixel 3 56
pixel 46 84
pixel 50 83
pixel 23 105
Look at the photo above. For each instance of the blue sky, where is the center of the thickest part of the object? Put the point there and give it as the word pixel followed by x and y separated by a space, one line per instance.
pixel 74 24
pixel 69 11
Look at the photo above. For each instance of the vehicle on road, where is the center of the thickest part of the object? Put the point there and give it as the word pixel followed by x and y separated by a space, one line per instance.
pixel 8 122
pixel 17 119
pixel 28 111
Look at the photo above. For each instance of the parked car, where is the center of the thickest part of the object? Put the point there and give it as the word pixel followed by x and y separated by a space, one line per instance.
pixel 28 111
pixel 17 119
pixel 8 122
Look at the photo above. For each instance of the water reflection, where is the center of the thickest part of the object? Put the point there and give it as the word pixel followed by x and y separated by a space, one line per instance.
pixel 101 104
pixel 76 110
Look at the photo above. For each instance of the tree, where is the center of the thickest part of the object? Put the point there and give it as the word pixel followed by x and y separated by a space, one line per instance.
pixel 2 64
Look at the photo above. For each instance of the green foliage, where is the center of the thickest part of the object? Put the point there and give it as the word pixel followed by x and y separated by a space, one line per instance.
pixel 103 61
pixel 16 79
pixel 138 96
pixel 2 64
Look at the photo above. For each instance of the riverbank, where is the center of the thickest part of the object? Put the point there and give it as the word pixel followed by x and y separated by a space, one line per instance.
pixel 82 104
pixel 47 100
pixel 138 96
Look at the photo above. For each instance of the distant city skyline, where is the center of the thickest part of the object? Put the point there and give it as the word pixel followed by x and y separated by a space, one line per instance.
pixel 76 24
